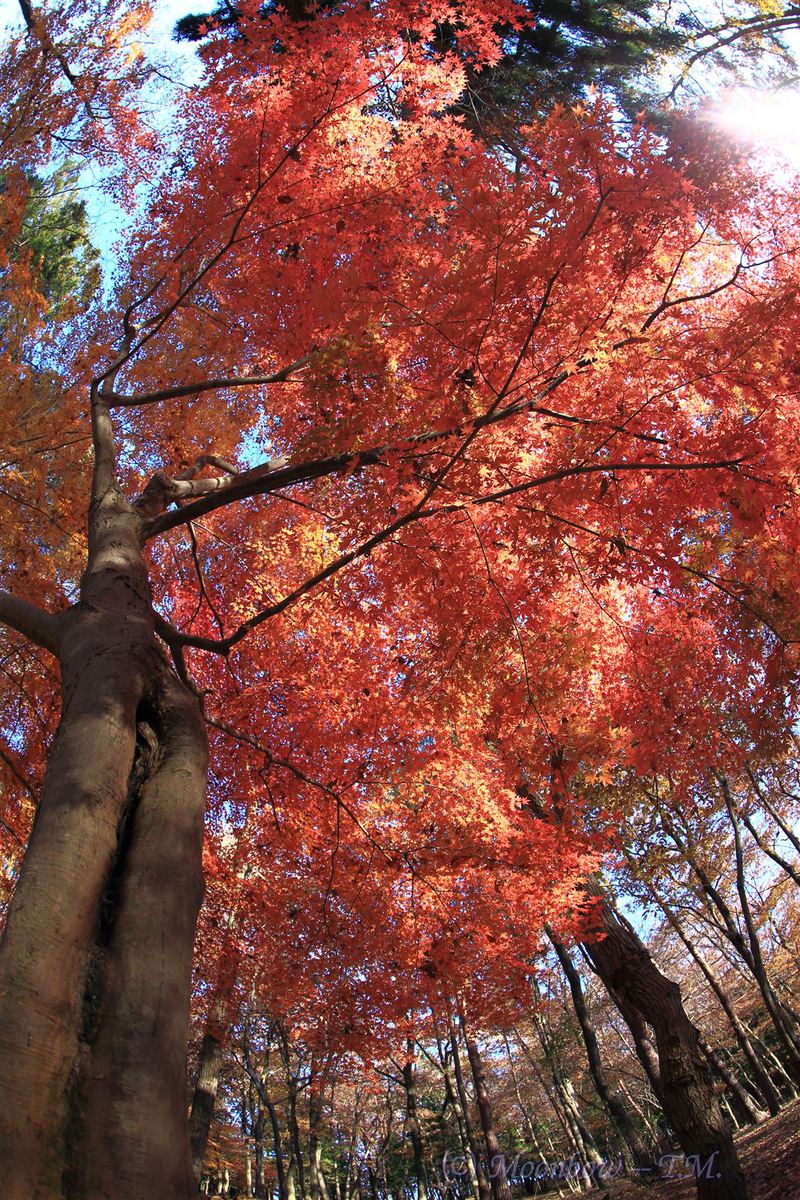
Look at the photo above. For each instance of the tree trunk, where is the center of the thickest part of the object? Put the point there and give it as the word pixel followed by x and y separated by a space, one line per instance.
pixel 748 949
pixel 766 1088
pixel 298 1175
pixel 413 1126
pixel 451 1095
pixel 95 959
pixel 204 1099
pixel 579 1136
pixel 494 1152
pixel 318 1189
pixel 747 1113
pixel 573 1146
pixel 259 1081
pixel 260 1182
pixel 787 830
pixel 784 1018
pixel 484 1191
pixel 642 1042
pixel 521 1106
pixel 209 1064
pixel 624 964
pixel 635 1153
pixel 248 1168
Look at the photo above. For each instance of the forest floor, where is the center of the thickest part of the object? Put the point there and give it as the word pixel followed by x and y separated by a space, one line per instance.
pixel 770 1156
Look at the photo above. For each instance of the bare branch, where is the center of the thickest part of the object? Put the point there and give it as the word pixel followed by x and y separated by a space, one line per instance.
pixel 115 400
pixel 164 489
pixel 32 622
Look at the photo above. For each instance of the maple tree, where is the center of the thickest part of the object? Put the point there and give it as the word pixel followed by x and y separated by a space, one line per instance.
pixel 413 477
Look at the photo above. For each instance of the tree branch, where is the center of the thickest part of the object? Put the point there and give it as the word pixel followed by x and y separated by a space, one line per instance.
pixel 115 400
pixel 32 622
pixel 267 477
pixel 225 645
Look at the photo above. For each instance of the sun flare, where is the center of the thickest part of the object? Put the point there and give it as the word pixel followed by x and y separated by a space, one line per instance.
pixel 767 121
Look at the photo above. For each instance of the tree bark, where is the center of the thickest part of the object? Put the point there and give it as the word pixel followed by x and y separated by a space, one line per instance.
pixel 747 1113
pixel 521 1106
pixel 413 1126
pixel 784 1018
pixel 484 1191
pixel 319 1190
pixel 572 1144
pixel 624 964
pixel 748 948
pixel 297 1169
pixel 635 1152
pixel 204 1099
pixel 494 1151
pixel 578 1133
pixel 95 959
pixel 786 829
pixel 277 1141
pixel 451 1096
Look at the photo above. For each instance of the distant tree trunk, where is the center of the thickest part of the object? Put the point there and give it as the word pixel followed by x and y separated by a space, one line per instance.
pixel 277 1143
pixel 204 1098
pixel 261 1181
pixel 523 1109
pixel 785 828
pixel 624 964
pixel 635 1152
pixel 291 1175
pixel 412 1123
pixel 785 1018
pixel 259 1081
pixel 248 1167
pixel 298 1175
pixel 451 1096
pixel 209 1063
pixel 746 1111
pixel 767 1090
pixel 642 1041
pixel 319 1189
pixel 770 851
pixel 484 1190
pixel 573 1144
pixel 770 1057
pixel 644 1116
pixel 748 948
pixel 579 1134
pixel 494 1152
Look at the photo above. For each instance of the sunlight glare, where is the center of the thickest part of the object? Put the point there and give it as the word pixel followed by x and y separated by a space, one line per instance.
pixel 767 121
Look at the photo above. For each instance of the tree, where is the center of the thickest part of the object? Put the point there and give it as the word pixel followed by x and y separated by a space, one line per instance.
pixel 684 1082
pixel 634 1148
pixel 556 55
pixel 341 334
